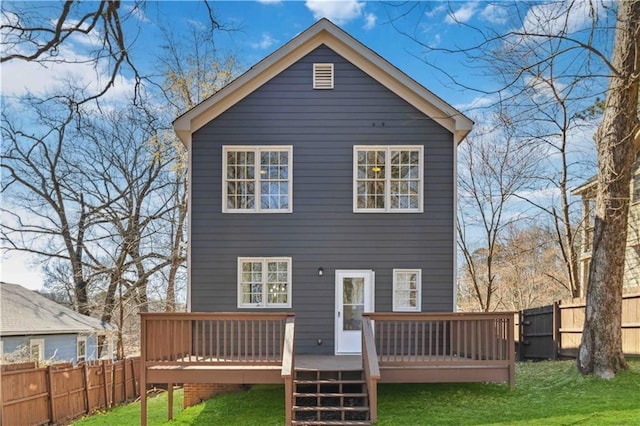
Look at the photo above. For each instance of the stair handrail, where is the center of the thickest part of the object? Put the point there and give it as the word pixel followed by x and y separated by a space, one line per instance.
pixel 370 366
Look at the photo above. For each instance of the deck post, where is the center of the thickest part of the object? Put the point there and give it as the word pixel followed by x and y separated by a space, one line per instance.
pixel 288 363
pixel 170 410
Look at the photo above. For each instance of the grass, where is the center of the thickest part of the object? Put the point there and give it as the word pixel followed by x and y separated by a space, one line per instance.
pixel 546 393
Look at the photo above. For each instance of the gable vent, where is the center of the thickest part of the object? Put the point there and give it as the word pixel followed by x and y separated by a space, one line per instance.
pixel 323 76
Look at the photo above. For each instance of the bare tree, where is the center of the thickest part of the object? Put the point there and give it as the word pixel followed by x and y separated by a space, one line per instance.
pixel 493 168
pixel 47 213
pixel 579 35
pixel 601 347
pixel 37 32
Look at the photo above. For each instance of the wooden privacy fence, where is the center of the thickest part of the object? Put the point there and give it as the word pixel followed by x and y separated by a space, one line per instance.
pixel 554 331
pixel 33 396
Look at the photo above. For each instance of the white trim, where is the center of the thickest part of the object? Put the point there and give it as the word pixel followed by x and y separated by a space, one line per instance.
pixel 327 33
pixel 418 307
pixel 257 149
pixel 323 76
pixel 189 213
pixel 387 178
pixel 78 340
pixel 454 278
pixel 39 343
pixel 264 303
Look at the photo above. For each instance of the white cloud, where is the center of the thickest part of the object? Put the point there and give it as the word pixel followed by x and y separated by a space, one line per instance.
pixel 553 18
pixel 436 11
pixel 138 13
pixel 340 12
pixel 265 42
pixel 370 21
pixel 476 103
pixel 462 15
pixel 495 14
pixel 21 77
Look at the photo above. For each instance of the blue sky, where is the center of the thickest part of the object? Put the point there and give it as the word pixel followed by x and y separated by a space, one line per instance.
pixel 259 27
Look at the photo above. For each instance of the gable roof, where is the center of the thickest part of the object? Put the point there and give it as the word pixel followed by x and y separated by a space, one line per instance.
pixel 25 312
pixel 327 33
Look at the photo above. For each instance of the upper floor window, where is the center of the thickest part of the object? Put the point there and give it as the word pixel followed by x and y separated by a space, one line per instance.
pixel 264 282
pixel 407 290
pixel 388 179
pixel 257 179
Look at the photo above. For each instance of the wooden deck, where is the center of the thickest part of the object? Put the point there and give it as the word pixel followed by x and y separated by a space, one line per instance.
pixel 256 348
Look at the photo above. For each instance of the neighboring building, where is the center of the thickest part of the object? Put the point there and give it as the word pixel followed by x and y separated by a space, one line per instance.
pixel 323 182
pixel 46 330
pixel 632 255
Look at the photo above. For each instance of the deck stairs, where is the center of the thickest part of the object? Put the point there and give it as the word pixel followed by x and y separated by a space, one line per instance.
pixel 335 397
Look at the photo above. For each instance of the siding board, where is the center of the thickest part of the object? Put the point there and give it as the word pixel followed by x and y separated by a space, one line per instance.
pixel 322 126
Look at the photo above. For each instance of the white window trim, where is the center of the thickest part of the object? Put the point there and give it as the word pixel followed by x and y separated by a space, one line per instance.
pixel 40 343
pixel 418 307
pixel 387 178
pixel 78 340
pixel 257 149
pixel 264 303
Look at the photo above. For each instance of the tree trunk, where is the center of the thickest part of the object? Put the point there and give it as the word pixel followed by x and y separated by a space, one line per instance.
pixel 601 348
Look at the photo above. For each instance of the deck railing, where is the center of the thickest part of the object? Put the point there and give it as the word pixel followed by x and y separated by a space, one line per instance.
pixel 438 347
pixel 213 338
pixel 179 341
pixel 424 338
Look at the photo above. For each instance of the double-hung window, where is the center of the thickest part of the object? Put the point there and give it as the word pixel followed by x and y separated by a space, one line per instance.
pixel 257 179
pixel 264 282
pixel 407 290
pixel 388 179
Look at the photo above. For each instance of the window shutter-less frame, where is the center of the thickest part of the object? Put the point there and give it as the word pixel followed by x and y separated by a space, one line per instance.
pixel 323 76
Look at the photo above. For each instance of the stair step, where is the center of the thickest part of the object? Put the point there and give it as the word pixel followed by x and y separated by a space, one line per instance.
pixel 331 423
pixel 300 408
pixel 330 394
pixel 329 382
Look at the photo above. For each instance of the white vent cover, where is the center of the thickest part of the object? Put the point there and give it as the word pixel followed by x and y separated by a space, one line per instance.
pixel 323 76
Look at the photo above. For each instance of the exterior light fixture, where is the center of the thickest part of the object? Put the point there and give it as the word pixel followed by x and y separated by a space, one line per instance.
pixel 320 271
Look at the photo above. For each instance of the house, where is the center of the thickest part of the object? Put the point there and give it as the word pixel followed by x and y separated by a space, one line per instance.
pixel 587 192
pixel 46 330
pixel 322 237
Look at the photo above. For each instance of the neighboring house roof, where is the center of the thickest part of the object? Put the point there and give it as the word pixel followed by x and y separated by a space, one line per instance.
pixel 327 33
pixel 25 312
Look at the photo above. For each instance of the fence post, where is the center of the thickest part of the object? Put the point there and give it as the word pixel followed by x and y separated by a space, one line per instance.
pixel 113 384
pixel 124 379
pixel 557 338
pixel 49 375
pixel 133 379
pixel 85 381
pixel 103 369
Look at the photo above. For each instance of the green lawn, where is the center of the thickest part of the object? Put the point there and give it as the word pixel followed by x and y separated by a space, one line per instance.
pixel 546 393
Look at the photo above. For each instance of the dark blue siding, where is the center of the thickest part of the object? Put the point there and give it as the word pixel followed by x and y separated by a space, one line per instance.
pixel 322 126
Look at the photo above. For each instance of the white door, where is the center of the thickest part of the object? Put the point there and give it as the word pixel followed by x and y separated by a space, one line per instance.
pixel 354 296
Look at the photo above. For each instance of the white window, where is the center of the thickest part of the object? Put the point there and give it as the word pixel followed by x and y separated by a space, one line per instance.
pixel 257 179
pixel 407 290
pixel 264 282
pixel 323 76
pixel 36 349
pixel 388 179
pixel 81 348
